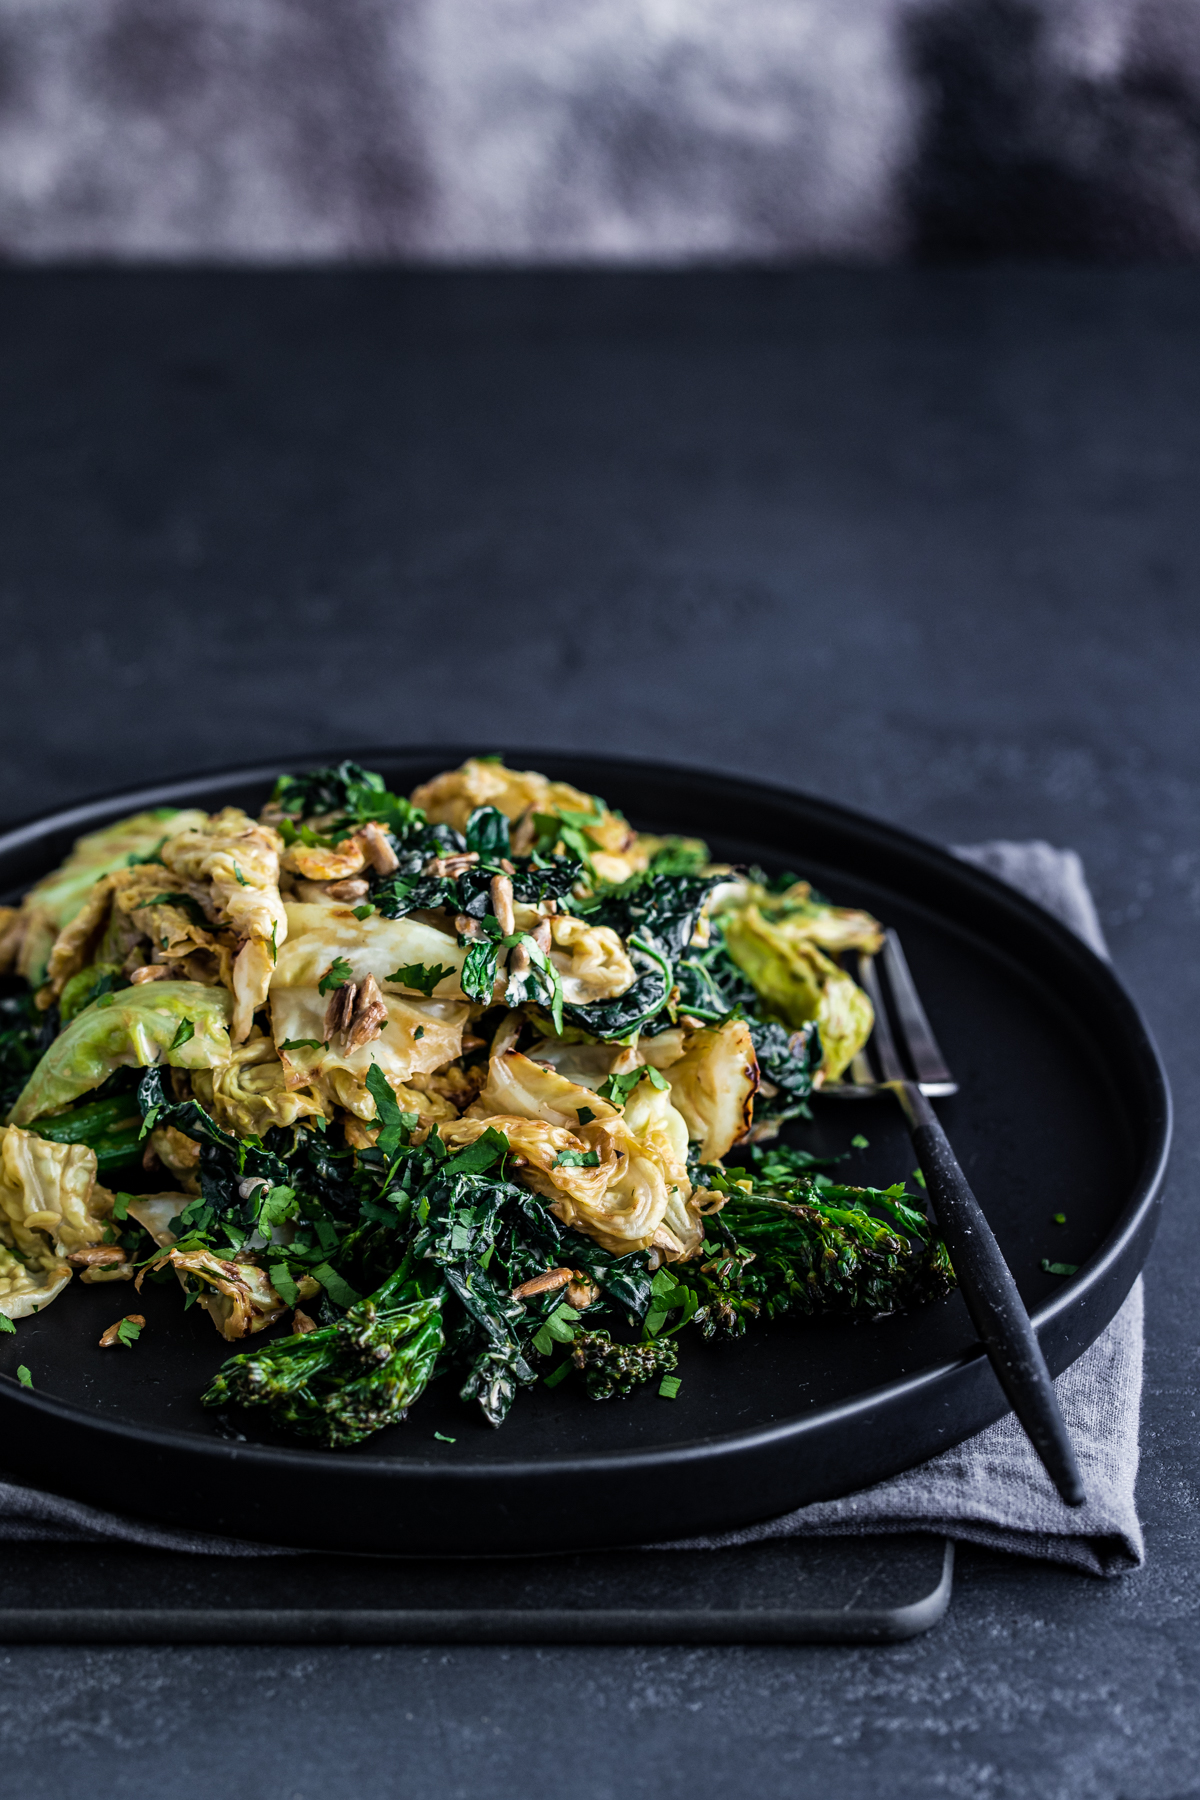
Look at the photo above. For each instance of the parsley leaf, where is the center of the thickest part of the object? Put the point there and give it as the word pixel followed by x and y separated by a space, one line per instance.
pixel 281 1280
pixel 394 1125
pixel 668 1387
pixel 443 1439
pixel 128 1333
pixel 859 1142
pixel 303 1044
pixel 422 976
pixel 558 1329
pixel 364 911
pixel 23 1376
pixel 339 1290
pixel 6 1323
pixel 184 1032
pixel 617 1088
pixel 577 1159
pixel 584 1114
pixel 478 1157
pixel 1053 1268
pixel 336 975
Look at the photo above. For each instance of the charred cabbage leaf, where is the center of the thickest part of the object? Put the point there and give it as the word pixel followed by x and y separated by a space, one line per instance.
pixel 133 1028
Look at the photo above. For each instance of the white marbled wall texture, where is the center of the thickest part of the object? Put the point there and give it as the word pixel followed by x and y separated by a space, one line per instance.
pixel 661 131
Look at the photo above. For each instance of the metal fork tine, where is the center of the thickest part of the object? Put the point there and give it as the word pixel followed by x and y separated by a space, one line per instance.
pixel 929 1065
pixel 881 1037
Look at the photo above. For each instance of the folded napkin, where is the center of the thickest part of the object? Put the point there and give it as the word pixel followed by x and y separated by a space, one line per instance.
pixel 990 1490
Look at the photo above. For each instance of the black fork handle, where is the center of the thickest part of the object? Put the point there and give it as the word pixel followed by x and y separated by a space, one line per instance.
pixel 987 1286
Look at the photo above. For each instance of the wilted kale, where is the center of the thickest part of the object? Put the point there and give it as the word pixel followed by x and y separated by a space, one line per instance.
pixel 787 1060
pixel 25 1035
pixel 656 908
pixel 470 1235
pixel 656 916
pixel 348 795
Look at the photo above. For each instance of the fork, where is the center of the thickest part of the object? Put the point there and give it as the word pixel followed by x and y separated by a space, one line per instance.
pixel 987 1286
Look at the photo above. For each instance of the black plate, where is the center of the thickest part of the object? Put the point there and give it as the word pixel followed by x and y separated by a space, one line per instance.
pixel 1063 1107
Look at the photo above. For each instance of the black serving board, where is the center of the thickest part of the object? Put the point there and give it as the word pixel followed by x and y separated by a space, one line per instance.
pixel 1063 1107
pixel 787 1591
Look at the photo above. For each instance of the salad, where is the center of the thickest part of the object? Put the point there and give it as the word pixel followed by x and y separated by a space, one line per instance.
pixel 478 1080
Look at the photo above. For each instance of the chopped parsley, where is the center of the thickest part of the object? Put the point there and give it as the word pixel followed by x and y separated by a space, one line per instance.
pixel 23 1376
pixel 281 1280
pixel 558 1329
pixel 364 911
pixel 6 1323
pixel 336 975
pixel 303 1044
pixel 577 1159
pixel 617 1088
pixel 443 1439
pixel 1053 1268
pixel 859 1142
pixel 184 1032
pixel 422 976
pixel 128 1333
pixel 668 1387
pixel 335 1285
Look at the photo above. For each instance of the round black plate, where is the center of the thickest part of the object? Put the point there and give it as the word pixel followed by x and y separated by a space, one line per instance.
pixel 1063 1108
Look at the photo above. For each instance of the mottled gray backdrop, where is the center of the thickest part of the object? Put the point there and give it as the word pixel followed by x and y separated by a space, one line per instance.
pixel 610 130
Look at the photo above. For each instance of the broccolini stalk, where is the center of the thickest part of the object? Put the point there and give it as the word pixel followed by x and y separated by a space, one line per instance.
pixel 343 1382
pixel 811 1246
pixel 610 1369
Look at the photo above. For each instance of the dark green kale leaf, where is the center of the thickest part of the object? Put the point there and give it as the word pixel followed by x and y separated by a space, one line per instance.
pixel 487 833
pixel 662 909
pixel 633 1010
pixel 238 1174
pixel 548 878
pixel 787 1060
pixel 323 791
pixel 656 916
pixel 349 795
pixel 25 1036
pixel 710 983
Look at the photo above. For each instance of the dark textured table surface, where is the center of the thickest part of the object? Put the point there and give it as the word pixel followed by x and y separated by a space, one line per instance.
pixel 928 544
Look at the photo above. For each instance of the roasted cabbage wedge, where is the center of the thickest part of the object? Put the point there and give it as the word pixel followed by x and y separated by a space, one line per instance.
pixel 476 1079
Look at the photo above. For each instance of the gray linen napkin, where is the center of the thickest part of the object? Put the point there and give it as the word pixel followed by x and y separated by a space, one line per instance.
pixel 990 1490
